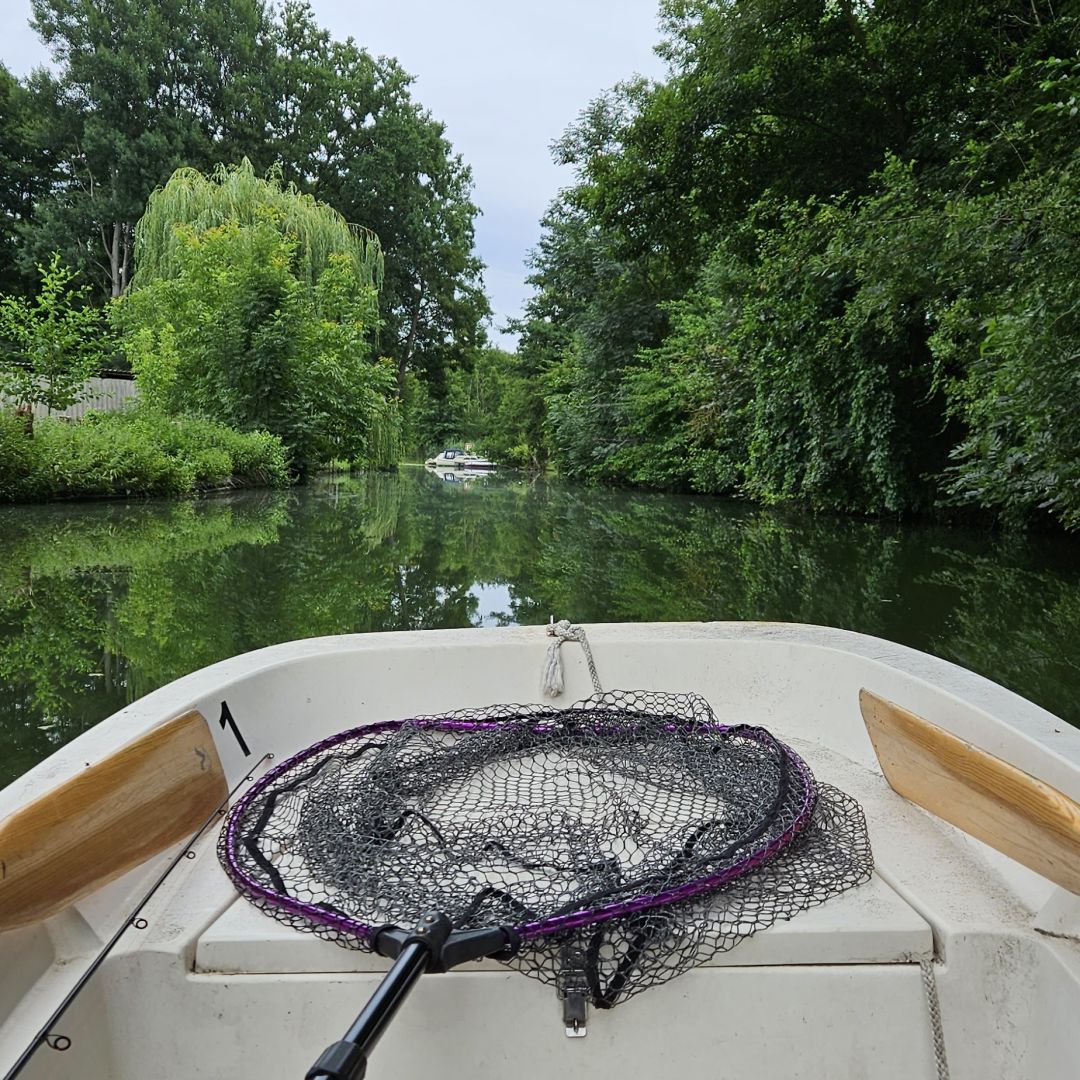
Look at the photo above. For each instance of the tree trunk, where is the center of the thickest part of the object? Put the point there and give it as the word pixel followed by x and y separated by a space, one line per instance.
pixel 115 271
pixel 410 341
pixel 125 263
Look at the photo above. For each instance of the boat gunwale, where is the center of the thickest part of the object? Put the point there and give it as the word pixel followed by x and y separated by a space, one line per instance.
pixel 975 700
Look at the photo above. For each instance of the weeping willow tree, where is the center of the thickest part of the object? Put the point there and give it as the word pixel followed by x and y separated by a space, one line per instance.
pixel 233 193
pixel 257 306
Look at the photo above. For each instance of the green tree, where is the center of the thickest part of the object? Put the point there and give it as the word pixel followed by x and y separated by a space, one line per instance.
pixel 236 335
pixel 598 310
pixel 55 341
pixel 350 132
pixel 237 195
pixel 25 166
pixel 689 403
pixel 141 89
pixel 256 306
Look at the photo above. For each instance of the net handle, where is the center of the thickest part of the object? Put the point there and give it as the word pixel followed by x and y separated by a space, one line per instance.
pixel 432 946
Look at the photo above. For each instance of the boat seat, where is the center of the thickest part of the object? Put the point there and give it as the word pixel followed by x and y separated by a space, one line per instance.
pixel 867 925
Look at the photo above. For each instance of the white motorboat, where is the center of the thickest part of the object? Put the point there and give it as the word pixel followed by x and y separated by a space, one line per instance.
pixel 959 957
pixel 453 458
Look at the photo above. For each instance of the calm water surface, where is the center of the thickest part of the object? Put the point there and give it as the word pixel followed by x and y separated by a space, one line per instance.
pixel 101 603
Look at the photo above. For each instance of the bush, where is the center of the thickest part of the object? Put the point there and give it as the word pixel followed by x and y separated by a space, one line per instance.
pixel 55 341
pixel 16 456
pixel 219 454
pixel 132 453
pixel 258 458
pixel 101 458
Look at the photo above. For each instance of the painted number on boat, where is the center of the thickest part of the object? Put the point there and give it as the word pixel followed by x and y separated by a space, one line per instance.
pixel 227 718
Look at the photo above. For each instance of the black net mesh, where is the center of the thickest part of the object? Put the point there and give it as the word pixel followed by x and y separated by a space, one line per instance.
pixel 625 839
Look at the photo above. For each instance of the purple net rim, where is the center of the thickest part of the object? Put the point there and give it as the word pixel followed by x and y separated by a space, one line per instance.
pixel 541 927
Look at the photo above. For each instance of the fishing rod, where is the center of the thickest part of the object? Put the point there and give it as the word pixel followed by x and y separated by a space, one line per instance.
pixel 62 1042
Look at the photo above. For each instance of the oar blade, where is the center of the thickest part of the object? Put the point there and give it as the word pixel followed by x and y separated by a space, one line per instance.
pixel 109 818
pixel 983 795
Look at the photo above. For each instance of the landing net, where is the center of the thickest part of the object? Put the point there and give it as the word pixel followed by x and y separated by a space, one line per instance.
pixel 625 839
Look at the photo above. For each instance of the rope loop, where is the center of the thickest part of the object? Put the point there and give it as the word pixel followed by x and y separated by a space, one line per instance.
pixel 551 679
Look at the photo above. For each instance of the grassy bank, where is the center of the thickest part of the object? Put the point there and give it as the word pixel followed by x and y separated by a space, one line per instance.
pixel 112 455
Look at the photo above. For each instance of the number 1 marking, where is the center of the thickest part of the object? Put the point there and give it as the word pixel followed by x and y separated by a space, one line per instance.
pixel 227 718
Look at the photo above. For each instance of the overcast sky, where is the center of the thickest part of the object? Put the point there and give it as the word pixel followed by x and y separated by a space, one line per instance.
pixel 505 76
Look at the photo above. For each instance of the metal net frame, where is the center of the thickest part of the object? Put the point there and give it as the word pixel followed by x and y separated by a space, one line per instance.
pixel 617 843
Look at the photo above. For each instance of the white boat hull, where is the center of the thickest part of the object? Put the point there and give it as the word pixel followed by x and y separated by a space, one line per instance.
pixel 460 460
pixel 211 987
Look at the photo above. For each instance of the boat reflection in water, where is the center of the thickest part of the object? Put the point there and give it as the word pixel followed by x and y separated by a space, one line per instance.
pixel 458 476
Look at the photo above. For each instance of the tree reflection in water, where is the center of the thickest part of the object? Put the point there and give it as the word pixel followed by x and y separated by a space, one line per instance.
pixel 101 603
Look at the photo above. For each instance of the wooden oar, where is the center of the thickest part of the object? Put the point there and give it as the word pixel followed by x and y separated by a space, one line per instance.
pixel 988 798
pixel 107 819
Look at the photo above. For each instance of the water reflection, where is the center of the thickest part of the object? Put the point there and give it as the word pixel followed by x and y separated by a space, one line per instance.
pixel 494 605
pixel 100 603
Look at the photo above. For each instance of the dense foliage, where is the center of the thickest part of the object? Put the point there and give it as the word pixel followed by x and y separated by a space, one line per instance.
pixel 256 306
pixel 141 90
pixel 492 406
pixel 131 453
pixel 832 259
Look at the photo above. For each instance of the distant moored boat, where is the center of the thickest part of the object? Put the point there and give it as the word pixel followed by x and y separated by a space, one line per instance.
pixel 458 459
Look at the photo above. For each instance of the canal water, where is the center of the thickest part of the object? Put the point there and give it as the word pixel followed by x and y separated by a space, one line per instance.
pixel 103 602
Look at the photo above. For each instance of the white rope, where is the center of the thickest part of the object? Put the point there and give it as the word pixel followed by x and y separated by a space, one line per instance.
pixel 551 679
pixel 930 986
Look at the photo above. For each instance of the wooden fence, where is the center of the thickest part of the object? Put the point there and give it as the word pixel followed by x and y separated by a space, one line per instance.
pixel 108 392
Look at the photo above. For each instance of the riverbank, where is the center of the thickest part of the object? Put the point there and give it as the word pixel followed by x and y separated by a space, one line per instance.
pixel 131 453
